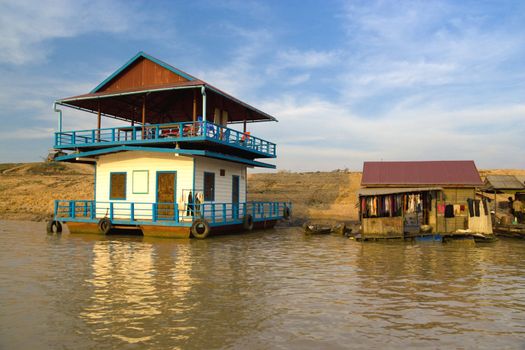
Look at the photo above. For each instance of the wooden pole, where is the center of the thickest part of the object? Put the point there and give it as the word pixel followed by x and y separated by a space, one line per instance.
pixel 143 117
pixel 495 204
pixel 194 105
pixel 99 122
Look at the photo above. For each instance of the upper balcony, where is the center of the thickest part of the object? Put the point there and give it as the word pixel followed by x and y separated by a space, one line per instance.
pixel 192 135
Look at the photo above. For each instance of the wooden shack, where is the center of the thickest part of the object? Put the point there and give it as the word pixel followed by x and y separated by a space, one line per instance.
pixel 507 222
pixel 400 199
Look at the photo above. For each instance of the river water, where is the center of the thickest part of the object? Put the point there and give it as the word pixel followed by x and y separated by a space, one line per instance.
pixel 276 289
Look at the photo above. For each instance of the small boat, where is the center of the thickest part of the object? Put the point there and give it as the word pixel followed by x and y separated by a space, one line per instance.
pixel 317 229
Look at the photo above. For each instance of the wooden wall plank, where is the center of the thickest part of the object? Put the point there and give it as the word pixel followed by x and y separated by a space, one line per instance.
pixel 142 74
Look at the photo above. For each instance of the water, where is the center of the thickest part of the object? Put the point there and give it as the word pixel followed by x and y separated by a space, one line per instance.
pixel 264 290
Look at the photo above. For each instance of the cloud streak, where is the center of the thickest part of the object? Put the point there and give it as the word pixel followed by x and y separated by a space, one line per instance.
pixel 27 27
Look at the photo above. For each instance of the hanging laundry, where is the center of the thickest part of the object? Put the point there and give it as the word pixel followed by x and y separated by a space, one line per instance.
pixel 457 209
pixel 449 211
pixel 441 208
pixel 470 203
pixel 189 210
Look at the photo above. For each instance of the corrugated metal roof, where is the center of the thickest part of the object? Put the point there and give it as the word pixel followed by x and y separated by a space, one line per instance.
pixel 381 191
pixel 503 182
pixel 449 172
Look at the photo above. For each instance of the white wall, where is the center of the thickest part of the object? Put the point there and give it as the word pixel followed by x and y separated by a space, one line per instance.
pixel 153 162
pixel 132 160
pixel 223 184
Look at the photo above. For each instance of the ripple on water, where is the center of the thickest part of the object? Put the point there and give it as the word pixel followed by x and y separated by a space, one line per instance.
pixel 274 289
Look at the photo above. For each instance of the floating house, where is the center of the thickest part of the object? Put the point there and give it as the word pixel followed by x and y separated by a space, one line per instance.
pixel 170 164
pixel 400 199
pixel 507 222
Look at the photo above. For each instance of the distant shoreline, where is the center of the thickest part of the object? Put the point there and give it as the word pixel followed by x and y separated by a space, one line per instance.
pixel 28 190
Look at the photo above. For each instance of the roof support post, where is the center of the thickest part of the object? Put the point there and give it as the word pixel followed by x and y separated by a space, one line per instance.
pixel 99 122
pixel 194 105
pixel 143 117
pixel 203 92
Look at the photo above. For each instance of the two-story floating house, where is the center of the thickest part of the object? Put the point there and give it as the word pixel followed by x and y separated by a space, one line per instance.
pixel 172 166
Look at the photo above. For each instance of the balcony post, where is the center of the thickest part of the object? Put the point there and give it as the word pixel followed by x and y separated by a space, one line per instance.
pixel 143 117
pixel 203 92
pixel 99 122
pixel 194 114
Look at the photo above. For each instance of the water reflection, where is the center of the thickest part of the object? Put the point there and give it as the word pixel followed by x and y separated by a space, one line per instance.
pixel 435 292
pixel 124 295
pixel 275 289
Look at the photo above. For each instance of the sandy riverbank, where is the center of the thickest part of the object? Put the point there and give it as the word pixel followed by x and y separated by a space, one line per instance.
pixel 28 190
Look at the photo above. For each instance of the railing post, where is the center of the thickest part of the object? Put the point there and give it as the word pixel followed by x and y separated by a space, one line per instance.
pixel 132 211
pixel 72 209
pixel 176 212
pixel 93 209
pixel 111 211
pixel 56 209
pixel 93 136
pixel 157 131
pixel 74 137
pixel 244 209
pixel 113 135
pixel 224 212
pixel 134 134
pixel 213 212
pixel 85 208
pixel 154 212
pixel 253 209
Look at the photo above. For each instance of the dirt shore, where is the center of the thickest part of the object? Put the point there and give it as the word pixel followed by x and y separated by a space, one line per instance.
pixel 28 190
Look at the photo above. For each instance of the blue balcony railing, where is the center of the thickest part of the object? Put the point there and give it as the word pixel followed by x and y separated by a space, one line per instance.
pixel 160 133
pixel 167 214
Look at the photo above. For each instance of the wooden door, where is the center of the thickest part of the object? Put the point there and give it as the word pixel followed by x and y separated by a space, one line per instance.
pixel 166 195
pixel 235 196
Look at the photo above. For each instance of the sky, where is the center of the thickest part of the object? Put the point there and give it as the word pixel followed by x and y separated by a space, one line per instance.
pixel 349 81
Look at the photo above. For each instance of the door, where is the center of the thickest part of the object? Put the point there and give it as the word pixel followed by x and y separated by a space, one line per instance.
pixel 166 194
pixel 235 196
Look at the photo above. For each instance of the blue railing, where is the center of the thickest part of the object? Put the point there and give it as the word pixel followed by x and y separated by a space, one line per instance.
pixel 155 133
pixel 169 214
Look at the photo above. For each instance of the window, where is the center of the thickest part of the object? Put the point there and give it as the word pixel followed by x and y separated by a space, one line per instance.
pixel 117 186
pixel 140 182
pixel 222 172
pixel 209 186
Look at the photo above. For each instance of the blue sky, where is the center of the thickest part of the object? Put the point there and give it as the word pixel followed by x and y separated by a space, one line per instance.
pixel 349 81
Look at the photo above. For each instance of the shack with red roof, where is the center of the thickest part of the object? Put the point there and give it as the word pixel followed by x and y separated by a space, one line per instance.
pixel 400 199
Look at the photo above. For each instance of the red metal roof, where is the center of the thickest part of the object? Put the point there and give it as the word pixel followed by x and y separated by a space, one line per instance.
pixel 449 172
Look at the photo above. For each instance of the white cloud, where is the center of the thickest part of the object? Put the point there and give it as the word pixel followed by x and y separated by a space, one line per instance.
pixel 321 135
pixel 28 26
pixel 310 59
pixel 29 133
